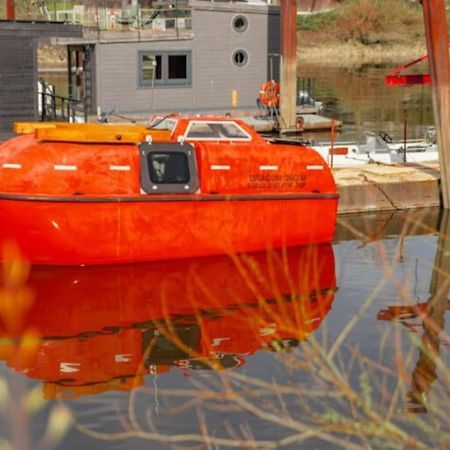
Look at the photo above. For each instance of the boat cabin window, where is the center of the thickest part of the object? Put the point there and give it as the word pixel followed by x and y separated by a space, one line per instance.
pixel 162 123
pixel 168 167
pixel 216 131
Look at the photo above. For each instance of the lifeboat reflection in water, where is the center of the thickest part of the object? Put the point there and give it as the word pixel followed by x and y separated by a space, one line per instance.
pixel 104 327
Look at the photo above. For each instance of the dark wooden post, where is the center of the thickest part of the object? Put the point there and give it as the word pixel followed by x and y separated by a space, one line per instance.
pixel 437 46
pixel 425 370
pixel 288 86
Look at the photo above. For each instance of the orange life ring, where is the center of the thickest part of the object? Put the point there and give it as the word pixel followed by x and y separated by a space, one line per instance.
pixel 269 93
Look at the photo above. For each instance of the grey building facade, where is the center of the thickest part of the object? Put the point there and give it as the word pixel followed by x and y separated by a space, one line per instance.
pixel 216 63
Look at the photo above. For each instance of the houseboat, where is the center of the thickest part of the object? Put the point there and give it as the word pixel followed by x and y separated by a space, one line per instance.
pixel 101 194
pixel 187 56
pixel 129 322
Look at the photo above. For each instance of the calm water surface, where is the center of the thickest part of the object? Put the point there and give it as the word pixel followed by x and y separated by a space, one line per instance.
pixel 360 98
pixel 337 346
pixel 341 346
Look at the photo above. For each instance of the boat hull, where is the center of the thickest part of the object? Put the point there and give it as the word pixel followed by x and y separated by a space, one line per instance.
pixel 73 231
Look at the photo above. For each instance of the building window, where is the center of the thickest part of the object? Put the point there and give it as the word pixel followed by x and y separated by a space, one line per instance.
pixel 151 68
pixel 240 23
pixel 164 68
pixel 177 67
pixel 239 58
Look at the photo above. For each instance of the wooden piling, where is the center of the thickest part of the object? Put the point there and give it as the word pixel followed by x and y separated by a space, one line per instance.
pixel 288 87
pixel 437 46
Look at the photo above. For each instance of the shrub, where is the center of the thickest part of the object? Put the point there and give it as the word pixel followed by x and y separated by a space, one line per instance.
pixel 316 22
pixel 378 21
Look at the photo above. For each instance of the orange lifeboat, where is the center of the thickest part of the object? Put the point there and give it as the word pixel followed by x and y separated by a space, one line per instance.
pixel 132 320
pixel 75 194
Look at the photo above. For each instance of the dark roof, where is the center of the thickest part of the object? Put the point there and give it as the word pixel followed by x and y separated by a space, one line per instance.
pixel 37 29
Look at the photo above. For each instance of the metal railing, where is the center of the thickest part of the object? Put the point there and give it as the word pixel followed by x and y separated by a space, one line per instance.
pixel 165 15
pixel 54 107
pixel 162 18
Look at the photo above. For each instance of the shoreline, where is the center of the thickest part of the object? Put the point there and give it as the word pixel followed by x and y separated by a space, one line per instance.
pixel 337 54
pixel 353 55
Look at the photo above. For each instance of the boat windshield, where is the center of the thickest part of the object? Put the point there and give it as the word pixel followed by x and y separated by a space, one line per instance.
pixel 216 131
pixel 162 123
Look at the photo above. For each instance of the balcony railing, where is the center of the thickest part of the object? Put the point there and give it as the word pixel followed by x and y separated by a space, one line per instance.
pixel 161 18
pixel 165 15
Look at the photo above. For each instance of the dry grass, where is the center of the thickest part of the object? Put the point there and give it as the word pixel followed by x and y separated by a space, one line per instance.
pixel 378 21
pixel 353 54
pixel 19 404
pixel 363 32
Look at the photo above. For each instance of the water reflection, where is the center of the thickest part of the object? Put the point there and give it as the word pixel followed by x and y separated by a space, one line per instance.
pixel 195 353
pixel 430 317
pixel 363 101
pixel 96 329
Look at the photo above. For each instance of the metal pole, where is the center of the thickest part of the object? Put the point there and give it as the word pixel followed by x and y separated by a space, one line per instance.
pixel 331 151
pixel 289 63
pixel 437 45
pixel 405 129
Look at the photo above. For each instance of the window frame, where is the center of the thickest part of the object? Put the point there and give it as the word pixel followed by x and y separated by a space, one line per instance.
pixel 244 18
pixel 149 187
pixel 193 122
pixel 165 80
pixel 244 52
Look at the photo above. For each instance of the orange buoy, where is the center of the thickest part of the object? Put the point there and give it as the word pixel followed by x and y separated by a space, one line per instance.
pixel 269 93
pixel 300 123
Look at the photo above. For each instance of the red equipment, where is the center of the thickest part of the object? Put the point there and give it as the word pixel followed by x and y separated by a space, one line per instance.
pixel 10 10
pixel 396 79
pixel 269 93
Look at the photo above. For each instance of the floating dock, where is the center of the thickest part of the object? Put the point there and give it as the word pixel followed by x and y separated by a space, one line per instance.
pixel 377 187
pixel 305 122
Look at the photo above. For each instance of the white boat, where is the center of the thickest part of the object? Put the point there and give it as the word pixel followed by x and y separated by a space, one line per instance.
pixel 379 148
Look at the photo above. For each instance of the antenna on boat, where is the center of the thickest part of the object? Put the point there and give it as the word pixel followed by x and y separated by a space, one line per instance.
pixel 154 65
